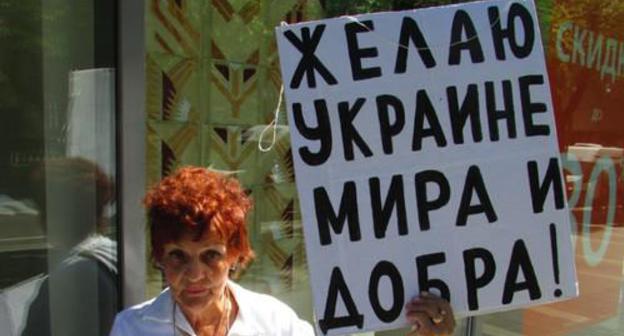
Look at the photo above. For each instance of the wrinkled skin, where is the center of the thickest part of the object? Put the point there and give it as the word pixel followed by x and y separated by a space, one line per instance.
pixel 197 272
pixel 430 315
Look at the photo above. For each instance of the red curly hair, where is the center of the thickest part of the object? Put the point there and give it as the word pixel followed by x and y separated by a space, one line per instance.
pixel 195 199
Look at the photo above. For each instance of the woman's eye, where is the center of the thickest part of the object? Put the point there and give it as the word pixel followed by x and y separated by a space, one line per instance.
pixel 210 256
pixel 177 257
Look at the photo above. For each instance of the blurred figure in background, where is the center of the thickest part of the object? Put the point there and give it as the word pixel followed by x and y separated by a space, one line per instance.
pixel 79 295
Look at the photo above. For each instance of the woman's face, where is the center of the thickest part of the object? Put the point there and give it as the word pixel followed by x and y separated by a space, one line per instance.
pixel 197 271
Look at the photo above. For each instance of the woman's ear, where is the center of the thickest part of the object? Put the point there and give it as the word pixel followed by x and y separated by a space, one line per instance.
pixel 234 268
pixel 235 264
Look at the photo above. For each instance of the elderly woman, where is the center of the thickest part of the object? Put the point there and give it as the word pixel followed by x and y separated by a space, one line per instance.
pixel 199 239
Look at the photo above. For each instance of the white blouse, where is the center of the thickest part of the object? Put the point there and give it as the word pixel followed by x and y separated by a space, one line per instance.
pixel 258 314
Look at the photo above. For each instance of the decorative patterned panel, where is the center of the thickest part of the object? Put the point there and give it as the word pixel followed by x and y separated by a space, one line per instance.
pixel 234 149
pixel 173 27
pixel 172 89
pixel 237 32
pixel 177 144
pixel 280 267
pixel 213 82
pixel 279 159
pixel 231 92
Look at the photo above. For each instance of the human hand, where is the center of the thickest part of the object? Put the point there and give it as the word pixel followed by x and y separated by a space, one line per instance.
pixel 430 315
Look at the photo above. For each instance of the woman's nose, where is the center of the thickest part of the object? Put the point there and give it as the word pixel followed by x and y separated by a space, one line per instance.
pixel 194 270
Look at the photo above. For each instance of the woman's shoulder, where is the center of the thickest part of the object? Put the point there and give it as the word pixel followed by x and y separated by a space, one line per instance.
pixel 267 314
pixel 150 314
pixel 267 303
pixel 136 310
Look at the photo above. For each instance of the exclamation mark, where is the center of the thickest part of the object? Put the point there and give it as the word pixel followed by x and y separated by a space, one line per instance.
pixel 555 256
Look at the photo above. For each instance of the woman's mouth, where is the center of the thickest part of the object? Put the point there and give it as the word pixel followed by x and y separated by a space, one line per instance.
pixel 195 291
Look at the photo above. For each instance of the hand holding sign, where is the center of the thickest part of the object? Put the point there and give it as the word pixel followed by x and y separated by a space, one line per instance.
pixel 426 160
pixel 430 315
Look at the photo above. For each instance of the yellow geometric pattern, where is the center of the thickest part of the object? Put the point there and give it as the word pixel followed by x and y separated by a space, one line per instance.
pixel 213 80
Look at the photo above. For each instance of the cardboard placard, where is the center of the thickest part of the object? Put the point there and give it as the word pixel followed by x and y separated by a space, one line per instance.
pixel 426 158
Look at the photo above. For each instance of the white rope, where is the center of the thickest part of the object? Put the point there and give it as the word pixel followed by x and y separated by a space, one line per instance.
pixel 388 41
pixel 273 124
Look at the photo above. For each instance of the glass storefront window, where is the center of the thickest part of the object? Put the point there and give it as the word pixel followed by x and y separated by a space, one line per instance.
pixel 582 41
pixel 213 84
pixel 213 81
pixel 58 226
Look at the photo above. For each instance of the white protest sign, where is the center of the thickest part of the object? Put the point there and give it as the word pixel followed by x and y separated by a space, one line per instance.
pixel 426 158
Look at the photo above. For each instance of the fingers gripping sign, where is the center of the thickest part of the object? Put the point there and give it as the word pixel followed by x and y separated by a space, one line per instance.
pixel 430 315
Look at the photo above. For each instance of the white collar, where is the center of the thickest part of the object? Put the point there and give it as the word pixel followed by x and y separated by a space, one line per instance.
pixel 160 310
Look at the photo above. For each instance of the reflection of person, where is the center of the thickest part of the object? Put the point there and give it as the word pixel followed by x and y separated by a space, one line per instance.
pixel 79 295
pixel 199 239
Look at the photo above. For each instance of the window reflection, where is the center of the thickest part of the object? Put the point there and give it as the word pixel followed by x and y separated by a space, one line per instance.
pixel 82 260
pixel 58 223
